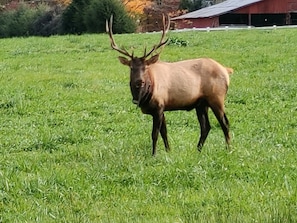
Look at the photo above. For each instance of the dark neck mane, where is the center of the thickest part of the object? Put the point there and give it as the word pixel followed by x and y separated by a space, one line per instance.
pixel 146 92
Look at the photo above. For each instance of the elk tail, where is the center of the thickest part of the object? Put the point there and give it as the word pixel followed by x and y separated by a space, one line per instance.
pixel 229 70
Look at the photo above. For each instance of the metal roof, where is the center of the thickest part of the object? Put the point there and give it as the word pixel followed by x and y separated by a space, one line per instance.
pixel 218 9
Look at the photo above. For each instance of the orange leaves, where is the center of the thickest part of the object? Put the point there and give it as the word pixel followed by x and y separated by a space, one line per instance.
pixel 136 7
pixel 63 2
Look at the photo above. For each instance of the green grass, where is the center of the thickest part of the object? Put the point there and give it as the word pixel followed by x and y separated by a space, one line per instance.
pixel 73 148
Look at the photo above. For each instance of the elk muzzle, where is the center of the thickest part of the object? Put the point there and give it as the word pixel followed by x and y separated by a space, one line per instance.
pixel 141 92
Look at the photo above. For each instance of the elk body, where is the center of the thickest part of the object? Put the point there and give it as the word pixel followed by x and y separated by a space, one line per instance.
pixel 158 86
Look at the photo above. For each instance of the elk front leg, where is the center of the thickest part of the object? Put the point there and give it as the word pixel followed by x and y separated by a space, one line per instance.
pixel 158 118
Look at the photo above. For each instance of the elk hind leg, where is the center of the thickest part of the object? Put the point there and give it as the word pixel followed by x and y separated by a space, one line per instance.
pixel 202 114
pixel 223 120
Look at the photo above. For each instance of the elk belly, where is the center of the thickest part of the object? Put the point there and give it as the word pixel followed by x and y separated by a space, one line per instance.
pixel 183 95
pixel 177 90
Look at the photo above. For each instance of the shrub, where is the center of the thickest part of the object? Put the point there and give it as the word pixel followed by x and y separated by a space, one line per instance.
pixel 90 16
pixel 25 21
pixel 72 18
pixel 48 23
pixel 178 42
pixel 17 22
pixel 100 10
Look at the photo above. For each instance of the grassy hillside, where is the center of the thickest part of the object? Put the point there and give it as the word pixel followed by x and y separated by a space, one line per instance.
pixel 73 148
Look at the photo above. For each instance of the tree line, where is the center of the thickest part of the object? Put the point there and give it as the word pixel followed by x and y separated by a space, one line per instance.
pixel 57 17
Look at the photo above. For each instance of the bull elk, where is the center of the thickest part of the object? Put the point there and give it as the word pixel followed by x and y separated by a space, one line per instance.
pixel 158 86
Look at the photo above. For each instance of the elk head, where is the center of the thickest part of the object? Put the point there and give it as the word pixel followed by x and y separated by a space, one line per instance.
pixel 139 84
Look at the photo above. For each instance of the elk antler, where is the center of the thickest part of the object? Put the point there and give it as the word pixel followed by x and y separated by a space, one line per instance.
pixel 113 44
pixel 162 42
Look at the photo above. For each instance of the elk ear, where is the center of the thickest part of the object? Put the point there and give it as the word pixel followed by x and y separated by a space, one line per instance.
pixel 152 60
pixel 124 61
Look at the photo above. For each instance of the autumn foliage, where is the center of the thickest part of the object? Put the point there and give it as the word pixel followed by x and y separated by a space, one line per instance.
pixel 63 2
pixel 136 7
pixel 80 16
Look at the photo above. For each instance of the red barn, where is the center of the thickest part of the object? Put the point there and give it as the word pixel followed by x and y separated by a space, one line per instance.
pixel 241 12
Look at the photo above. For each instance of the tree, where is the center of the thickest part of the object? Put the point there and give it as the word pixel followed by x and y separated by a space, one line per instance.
pixel 153 13
pixel 72 20
pixel 100 10
pixel 190 5
pixel 18 21
pixel 90 16
pixel 136 7
pixel 62 3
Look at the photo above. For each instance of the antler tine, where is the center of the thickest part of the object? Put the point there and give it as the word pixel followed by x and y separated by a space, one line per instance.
pixel 113 44
pixel 165 29
pixel 162 42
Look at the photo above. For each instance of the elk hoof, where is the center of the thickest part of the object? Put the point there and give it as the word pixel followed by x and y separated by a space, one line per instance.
pixel 229 148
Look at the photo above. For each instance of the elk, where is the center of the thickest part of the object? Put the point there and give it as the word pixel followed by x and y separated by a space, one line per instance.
pixel 158 86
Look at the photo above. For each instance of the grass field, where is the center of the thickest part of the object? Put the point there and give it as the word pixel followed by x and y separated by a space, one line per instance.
pixel 73 148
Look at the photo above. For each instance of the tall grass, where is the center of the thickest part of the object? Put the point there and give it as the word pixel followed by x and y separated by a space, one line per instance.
pixel 75 149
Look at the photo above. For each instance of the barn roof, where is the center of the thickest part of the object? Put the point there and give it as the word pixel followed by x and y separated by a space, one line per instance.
pixel 218 9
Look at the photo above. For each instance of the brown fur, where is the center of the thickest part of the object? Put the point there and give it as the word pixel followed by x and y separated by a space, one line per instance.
pixel 158 86
pixel 184 85
pixel 181 84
